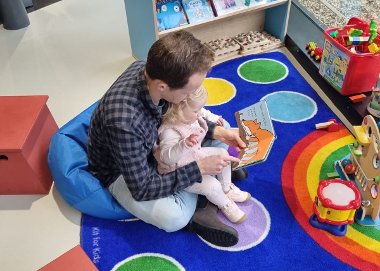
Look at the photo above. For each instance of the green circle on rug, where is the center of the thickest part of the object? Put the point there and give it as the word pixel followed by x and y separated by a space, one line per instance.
pixel 263 71
pixel 147 263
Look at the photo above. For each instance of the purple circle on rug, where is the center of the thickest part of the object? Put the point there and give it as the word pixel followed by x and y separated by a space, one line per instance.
pixel 253 230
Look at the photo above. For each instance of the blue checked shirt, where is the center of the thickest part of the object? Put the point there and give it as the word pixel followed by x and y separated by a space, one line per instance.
pixel 122 135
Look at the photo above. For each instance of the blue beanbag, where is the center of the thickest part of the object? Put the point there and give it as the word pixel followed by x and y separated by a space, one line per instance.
pixel 68 163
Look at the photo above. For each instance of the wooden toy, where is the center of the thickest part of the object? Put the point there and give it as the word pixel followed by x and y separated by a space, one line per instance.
pixel 256 42
pixel 365 170
pixel 224 48
pixel 373 106
pixel 244 43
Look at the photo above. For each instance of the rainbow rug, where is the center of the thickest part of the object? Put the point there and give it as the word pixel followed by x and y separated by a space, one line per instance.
pixel 277 234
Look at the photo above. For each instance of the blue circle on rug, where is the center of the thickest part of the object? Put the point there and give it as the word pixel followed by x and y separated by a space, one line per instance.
pixel 290 107
pixel 253 230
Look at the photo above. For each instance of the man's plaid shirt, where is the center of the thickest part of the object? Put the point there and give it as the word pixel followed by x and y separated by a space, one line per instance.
pixel 122 135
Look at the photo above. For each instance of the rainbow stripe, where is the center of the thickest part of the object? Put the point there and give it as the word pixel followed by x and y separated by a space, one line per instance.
pixel 300 179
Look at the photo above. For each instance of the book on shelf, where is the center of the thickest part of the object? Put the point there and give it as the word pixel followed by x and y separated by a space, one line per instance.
pixel 197 10
pixel 252 3
pixel 256 130
pixel 169 14
pixel 222 7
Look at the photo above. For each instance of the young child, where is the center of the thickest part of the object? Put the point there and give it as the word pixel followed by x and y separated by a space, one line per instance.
pixel 180 137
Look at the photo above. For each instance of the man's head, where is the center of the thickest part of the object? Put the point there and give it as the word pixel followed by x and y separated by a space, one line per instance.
pixel 175 57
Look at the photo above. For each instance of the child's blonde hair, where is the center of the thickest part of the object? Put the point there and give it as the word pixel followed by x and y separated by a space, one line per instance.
pixel 174 113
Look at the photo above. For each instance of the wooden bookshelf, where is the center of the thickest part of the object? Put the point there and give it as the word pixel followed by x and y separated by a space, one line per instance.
pixel 141 15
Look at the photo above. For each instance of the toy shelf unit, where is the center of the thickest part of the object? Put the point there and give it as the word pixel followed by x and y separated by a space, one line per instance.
pixel 271 17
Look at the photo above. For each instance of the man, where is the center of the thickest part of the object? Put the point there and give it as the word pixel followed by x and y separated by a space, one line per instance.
pixel 123 132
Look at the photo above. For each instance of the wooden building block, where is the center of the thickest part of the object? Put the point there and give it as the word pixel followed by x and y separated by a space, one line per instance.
pixel 73 260
pixel 26 126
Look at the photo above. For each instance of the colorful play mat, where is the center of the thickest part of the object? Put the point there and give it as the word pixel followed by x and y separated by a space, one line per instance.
pixel 277 234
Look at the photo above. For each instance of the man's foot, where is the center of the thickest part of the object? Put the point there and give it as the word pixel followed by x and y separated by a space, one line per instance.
pixel 239 174
pixel 237 195
pixel 206 224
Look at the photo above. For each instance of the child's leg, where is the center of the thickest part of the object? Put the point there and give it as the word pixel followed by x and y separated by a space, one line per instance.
pixel 211 189
pixel 232 191
pixel 225 176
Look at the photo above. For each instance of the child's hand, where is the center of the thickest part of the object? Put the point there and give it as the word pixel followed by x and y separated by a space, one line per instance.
pixel 220 121
pixel 191 140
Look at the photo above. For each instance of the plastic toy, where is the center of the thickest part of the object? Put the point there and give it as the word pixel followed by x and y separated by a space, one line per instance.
pixel 331 125
pixel 335 206
pixel 345 56
pixel 357 98
pixel 362 167
pixel 314 51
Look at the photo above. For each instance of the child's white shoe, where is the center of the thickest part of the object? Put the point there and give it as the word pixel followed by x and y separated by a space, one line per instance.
pixel 233 213
pixel 237 195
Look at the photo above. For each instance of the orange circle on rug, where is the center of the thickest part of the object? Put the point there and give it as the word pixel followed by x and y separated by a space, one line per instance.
pixel 300 177
pixel 220 91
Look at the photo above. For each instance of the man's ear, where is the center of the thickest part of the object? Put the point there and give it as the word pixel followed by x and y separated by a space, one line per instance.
pixel 161 85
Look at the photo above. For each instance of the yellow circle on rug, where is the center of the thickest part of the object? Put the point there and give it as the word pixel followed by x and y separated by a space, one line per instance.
pixel 220 91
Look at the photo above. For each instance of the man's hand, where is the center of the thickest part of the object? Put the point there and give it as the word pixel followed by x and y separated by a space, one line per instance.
pixel 214 164
pixel 230 137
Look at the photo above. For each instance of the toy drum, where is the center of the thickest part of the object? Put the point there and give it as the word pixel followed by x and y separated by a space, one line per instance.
pixel 336 202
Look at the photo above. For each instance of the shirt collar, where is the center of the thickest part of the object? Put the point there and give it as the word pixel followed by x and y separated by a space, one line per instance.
pixel 145 96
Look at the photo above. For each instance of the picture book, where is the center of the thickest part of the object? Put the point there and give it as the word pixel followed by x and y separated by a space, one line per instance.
pixel 256 130
pixel 169 14
pixel 197 10
pixel 225 6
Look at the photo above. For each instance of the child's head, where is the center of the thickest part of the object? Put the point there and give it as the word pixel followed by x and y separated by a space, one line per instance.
pixel 188 110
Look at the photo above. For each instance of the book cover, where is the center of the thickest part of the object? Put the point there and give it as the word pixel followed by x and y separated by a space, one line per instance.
pixel 256 130
pixel 225 6
pixel 197 10
pixel 169 14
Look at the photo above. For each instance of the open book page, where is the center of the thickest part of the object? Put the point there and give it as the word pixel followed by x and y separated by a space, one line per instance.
pixel 256 130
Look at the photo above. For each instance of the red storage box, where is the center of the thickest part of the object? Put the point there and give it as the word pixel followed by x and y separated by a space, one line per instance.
pixel 26 126
pixel 348 72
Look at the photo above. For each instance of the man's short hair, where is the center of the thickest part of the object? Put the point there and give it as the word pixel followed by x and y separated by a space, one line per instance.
pixel 177 56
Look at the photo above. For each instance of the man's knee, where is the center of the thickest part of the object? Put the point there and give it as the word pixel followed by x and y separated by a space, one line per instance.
pixel 173 215
pixel 173 220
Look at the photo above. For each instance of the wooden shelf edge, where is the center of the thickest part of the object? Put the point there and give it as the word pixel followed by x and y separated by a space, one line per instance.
pixel 224 16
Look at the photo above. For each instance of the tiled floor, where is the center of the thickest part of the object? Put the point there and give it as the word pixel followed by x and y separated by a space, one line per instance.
pixel 72 51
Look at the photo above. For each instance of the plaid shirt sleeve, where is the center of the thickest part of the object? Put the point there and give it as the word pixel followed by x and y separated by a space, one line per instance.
pixel 138 166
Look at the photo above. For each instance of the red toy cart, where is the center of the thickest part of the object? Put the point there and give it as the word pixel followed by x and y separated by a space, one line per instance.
pixel 349 72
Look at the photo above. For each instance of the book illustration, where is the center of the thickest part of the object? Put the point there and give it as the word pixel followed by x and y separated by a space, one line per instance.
pixel 197 10
pixel 225 6
pixel 169 14
pixel 256 130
